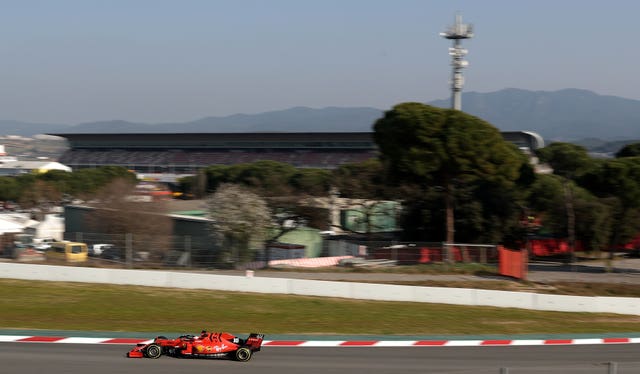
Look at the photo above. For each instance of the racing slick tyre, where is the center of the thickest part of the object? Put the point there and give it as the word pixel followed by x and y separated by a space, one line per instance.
pixel 243 354
pixel 153 351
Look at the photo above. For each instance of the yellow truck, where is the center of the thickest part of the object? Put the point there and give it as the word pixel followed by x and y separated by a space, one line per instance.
pixel 68 251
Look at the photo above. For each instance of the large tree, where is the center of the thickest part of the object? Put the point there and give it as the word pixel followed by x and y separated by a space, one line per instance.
pixel 547 199
pixel 445 148
pixel 364 180
pixel 629 150
pixel 268 178
pixel 566 159
pixel 618 181
pixel 361 191
pixel 117 214
pixel 569 161
pixel 238 216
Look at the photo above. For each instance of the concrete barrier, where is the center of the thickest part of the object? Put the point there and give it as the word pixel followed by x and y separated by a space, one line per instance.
pixel 565 303
pixel 504 299
pixel 319 288
pixel 366 291
pixel 445 295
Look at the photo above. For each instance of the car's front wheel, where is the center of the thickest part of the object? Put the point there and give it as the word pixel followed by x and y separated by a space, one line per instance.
pixel 243 354
pixel 153 351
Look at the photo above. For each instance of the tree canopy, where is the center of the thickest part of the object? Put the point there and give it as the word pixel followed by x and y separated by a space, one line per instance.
pixel 32 189
pixel 566 159
pixel 617 181
pixel 445 148
pixel 629 150
pixel 268 178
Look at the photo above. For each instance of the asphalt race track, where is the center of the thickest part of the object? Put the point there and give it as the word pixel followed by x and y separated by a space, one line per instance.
pixel 39 358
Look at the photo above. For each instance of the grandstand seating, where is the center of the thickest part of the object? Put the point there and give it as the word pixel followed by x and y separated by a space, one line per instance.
pixel 190 160
pixel 187 152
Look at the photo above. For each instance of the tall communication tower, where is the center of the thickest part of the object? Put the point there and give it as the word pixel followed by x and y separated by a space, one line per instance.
pixel 457 32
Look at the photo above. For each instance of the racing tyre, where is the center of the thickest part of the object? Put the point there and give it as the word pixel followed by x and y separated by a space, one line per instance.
pixel 153 351
pixel 243 354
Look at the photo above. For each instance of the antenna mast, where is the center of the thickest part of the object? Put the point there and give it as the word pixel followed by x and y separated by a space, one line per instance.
pixel 457 32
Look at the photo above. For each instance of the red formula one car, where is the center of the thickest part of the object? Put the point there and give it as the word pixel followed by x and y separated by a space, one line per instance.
pixel 207 345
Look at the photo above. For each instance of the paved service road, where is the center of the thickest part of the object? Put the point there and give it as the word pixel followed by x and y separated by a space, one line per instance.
pixel 38 358
pixel 625 271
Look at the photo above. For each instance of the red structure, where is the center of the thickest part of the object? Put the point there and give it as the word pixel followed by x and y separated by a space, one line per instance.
pixel 513 263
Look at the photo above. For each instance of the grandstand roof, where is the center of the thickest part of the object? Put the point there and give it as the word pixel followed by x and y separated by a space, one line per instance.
pixel 323 140
pixel 526 139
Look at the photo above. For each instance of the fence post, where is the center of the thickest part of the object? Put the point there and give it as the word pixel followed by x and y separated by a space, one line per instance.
pixel 128 240
pixel 187 249
pixel 613 368
pixel 466 258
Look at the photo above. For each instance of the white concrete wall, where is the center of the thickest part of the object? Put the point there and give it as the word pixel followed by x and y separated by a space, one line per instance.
pixel 368 291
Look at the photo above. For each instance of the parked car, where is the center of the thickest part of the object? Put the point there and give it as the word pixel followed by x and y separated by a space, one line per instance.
pixel 112 253
pixel 97 249
pixel 43 244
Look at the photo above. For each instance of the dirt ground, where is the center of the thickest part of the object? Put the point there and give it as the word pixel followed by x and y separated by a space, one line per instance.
pixel 592 278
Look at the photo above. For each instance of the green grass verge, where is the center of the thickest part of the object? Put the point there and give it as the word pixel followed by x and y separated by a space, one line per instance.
pixel 99 307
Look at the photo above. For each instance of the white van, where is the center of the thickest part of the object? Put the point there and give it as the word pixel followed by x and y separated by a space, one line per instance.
pixel 97 249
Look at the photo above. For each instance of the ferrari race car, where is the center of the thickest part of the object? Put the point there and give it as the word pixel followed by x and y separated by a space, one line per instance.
pixel 207 345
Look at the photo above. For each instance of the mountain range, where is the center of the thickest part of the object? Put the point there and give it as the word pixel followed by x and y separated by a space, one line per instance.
pixel 565 115
pixel 558 115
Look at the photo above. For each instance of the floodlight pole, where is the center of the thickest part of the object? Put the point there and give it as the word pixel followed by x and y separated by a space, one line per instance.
pixel 457 32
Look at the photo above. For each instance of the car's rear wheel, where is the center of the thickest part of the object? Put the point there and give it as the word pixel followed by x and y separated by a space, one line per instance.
pixel 153 351
pixel 243 354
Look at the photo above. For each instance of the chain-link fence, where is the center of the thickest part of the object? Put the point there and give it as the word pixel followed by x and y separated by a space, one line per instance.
pixel 140 250
pixel 410 253
pixel 166 251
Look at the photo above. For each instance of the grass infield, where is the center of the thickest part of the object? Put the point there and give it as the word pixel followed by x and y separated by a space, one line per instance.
pixel 99 307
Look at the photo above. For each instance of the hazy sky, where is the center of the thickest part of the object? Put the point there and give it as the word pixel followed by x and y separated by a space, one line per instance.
pixel 72 61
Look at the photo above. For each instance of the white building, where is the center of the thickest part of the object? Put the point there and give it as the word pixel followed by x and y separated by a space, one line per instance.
pixel 27 167
pixel 8 225
pixel 4 157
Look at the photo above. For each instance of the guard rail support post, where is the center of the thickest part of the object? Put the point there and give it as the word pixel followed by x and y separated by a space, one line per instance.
pixel 187 249
pixel 444 253
pixel 504 370
pixel 128 240
pixel 613 368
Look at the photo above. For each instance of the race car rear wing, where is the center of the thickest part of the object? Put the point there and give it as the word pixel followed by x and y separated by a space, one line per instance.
pixel 254 341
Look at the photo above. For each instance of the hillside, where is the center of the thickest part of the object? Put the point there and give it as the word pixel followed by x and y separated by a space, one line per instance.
pixel 566 115
pixel 569 114
pixel 298 119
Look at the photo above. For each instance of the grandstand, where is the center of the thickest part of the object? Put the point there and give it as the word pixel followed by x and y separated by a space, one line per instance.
pixel 185 153
pixel 527 141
